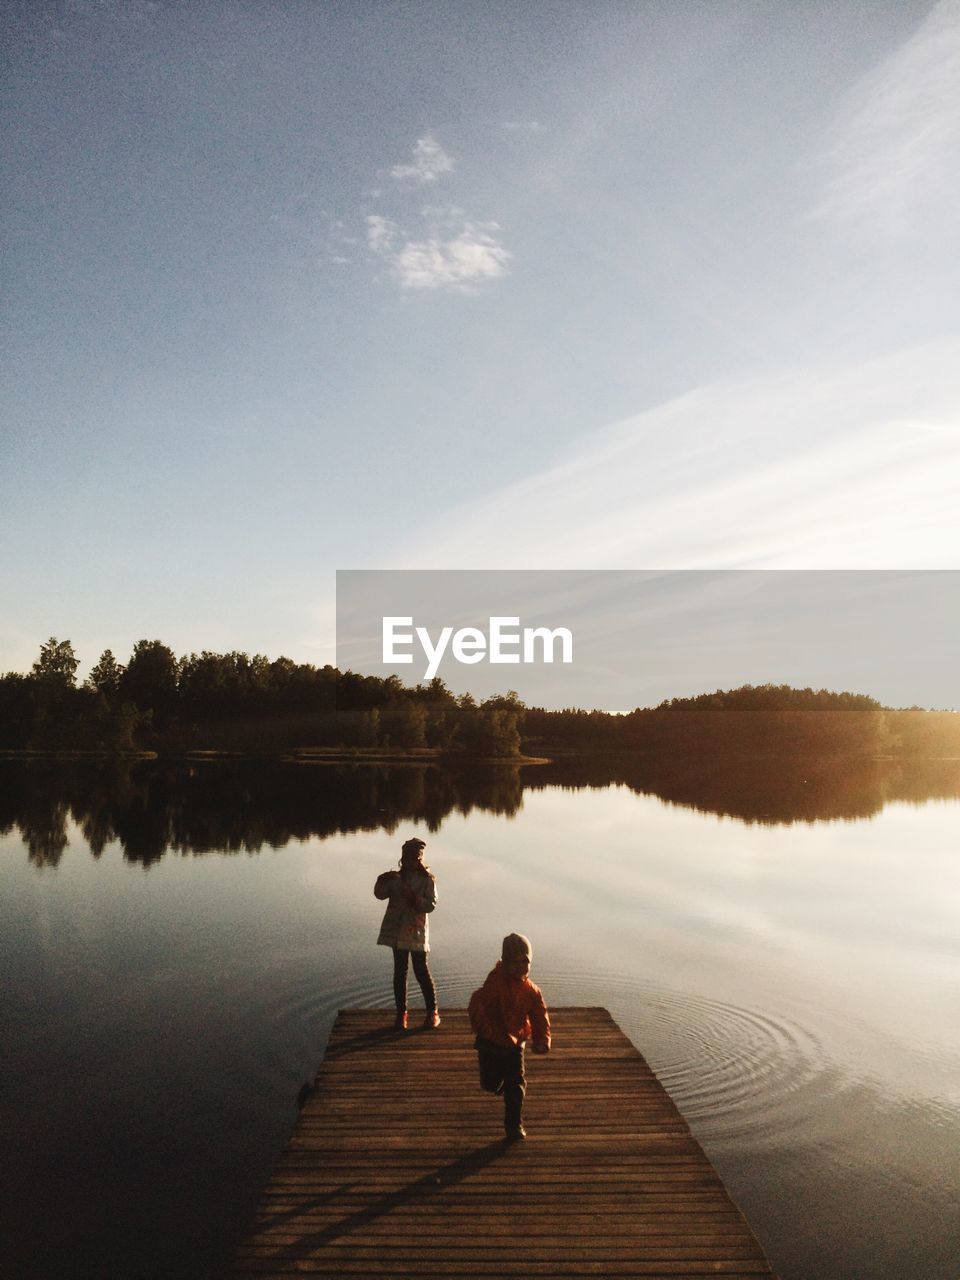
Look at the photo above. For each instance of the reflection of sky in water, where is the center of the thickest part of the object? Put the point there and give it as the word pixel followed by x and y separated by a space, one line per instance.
pixel 796 986
pixel 853 923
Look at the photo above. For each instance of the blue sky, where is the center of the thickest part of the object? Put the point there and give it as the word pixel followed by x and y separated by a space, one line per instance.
pixel 292 287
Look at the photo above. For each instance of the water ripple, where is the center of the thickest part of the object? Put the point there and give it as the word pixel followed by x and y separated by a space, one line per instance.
pixel 734 1071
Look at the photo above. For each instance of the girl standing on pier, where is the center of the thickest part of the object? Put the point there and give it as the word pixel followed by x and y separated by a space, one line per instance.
pixel 411 894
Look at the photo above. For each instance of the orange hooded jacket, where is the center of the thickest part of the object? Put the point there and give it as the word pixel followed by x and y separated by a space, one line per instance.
pixel 508 1010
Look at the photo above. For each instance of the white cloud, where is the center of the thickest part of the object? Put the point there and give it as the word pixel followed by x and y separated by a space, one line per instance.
pixel 462 262
pixel 898 134
pixel 446 249
pixel 442 214
pixel 429 162
pixel 853 470
pixel 459 259
pixel 381 233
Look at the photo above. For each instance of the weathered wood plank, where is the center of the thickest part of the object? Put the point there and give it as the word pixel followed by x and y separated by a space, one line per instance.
pixel 396 1167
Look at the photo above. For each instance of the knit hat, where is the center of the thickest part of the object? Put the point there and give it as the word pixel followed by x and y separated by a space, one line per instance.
pixel 515 944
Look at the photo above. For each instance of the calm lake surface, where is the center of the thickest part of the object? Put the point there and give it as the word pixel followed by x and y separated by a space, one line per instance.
pixel 782 942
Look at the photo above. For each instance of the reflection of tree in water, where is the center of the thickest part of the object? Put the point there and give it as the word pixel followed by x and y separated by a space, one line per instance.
pixel 110 790
pixel 152 807
pixel 765 790
pixel 202 807
pixel 44 827
pixel 39 798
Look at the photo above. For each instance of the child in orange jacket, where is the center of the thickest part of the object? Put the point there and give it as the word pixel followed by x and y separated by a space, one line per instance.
pixel 506 1012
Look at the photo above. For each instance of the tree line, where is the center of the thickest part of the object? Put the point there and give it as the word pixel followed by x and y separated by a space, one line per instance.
pixel 754 720
pixel 235 702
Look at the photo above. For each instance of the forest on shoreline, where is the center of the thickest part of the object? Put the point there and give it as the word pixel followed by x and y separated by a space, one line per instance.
pixel 235 703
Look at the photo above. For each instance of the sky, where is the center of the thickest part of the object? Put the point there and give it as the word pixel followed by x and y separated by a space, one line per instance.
pixel 290 287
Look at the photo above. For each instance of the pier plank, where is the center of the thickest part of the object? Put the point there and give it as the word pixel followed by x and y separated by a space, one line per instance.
pixel 397 1167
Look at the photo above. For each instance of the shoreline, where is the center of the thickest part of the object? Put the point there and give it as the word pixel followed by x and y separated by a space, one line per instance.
pixel 289 755
pixel 432 756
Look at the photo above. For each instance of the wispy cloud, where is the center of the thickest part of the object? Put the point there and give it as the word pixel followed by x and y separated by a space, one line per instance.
pixel 523 126
pixel 851 470
pixel 462 262
pixel 454 253
pixel 897 139
pixel 429 162
pixel 381 234
pixel 438 246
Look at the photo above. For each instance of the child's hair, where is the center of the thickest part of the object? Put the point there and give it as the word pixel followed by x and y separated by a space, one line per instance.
pixel 515 944
pixel 411 849
pixel 411 852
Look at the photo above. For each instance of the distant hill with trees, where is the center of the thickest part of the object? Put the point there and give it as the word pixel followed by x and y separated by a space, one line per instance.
pixel 756 720
pixel 232 702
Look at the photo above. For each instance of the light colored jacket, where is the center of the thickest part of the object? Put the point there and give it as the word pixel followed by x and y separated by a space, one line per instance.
pixel 508 1011
pixel 410 897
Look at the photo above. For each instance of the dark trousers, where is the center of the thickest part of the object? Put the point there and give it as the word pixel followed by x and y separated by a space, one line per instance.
pixel 501 1071
pixel 421 971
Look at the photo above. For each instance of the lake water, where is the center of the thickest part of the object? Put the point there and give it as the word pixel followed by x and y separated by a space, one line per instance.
pixel 781 942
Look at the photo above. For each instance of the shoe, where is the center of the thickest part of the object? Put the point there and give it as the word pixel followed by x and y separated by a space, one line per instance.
pixel 517 1134
pixel 432 1020
pixel 401 1022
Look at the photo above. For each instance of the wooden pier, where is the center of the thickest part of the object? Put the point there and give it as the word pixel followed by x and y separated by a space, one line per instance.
pixel 397 1167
